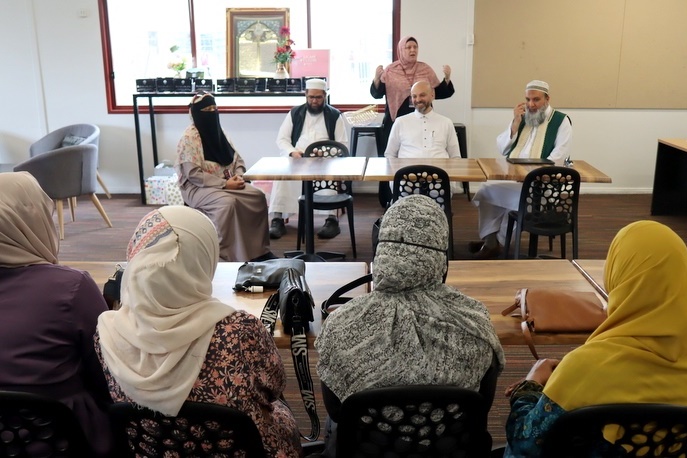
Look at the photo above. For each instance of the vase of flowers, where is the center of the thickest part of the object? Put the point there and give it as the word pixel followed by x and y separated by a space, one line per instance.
pixel 176 62
pixel 284 54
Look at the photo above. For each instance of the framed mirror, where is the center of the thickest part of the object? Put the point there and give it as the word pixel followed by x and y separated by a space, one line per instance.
pixel 252 35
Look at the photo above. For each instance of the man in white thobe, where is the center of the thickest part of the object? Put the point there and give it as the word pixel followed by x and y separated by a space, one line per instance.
pixel 313 121
pixel 537 130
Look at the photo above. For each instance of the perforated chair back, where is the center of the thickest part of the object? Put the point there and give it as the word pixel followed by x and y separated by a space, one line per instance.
pixel 414 421
pixel 429 181
pixel 647 430
pixel 328 149
pixel 36 426
pixel 548 206
pixel 200 429
pixel 343 199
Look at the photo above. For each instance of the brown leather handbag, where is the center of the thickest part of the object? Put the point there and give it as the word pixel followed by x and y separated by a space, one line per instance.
pixel 547 310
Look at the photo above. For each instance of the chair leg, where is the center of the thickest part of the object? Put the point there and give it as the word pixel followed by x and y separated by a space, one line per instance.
pixel 509 236
pixel 450 237
pixel 101 210
pixel 534 244
pixel 551 237
pixel 351 227
pixel 102 185
pixel 563 250
pixel 72 207
pixel 60 217
pixel 301 227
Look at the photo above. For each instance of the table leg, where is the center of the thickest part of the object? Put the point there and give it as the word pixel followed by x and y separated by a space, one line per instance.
pixel 139 151
pixel 309 225
pixel 153 135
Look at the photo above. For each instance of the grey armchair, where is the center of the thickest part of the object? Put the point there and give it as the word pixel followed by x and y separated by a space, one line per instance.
pixel 66 173
pixel 90 133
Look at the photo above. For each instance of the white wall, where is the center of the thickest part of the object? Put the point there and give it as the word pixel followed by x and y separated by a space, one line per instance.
pixel 53 58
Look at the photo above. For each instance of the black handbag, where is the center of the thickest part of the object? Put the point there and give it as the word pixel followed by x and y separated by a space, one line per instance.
pixel 112 289
pixel 265 274
pixel 294 304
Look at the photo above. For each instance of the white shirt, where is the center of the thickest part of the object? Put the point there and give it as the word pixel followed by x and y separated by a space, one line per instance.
pixel 422 135
pixel 314 129
pixel 562 145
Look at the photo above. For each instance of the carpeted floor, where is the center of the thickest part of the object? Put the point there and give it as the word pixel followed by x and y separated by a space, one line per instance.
pixel 601 216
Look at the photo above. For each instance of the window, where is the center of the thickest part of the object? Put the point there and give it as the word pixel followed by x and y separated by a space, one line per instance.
pixel 151 38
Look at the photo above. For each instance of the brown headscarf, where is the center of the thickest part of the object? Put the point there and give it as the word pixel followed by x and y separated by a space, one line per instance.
pixel 27 231
pixel 400 76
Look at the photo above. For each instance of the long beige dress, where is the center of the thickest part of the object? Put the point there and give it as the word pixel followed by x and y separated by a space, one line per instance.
pixel 240 216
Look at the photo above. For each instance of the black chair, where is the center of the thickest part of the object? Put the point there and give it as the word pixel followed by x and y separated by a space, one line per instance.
pixel 343 199
pixel 200 429
pixel 645 430
pixel 548 206
pixel 414 421
pixel 37 426
pixel 429 181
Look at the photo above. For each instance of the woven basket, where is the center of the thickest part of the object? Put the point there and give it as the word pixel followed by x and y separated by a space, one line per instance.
pixel 362 117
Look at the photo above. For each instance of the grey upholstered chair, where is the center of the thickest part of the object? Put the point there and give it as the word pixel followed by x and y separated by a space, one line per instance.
pixel 66 173
pixel 69 136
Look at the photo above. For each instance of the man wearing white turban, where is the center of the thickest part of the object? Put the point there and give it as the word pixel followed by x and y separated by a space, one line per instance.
pixel 537 130
pixel 313 121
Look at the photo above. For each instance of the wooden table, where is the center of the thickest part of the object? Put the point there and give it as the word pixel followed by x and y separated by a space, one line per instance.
pixel 495 283
pixel 306 170
pixel 323 278
pixel 458 169
pixel 670 178
pixel 500 169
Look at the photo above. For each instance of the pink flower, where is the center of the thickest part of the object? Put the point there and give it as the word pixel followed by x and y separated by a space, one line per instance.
pixel 284 53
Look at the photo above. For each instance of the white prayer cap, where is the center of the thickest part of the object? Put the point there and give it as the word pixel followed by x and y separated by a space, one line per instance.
pixel 316 83
pixel 537 85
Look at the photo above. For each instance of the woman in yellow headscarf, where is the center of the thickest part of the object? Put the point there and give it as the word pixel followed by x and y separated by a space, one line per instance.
pixel 637 355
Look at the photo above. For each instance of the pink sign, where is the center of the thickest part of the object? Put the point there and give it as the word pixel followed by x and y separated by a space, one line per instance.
pixel 310 62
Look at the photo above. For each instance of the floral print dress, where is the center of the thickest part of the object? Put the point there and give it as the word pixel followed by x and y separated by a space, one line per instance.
pixel 243 370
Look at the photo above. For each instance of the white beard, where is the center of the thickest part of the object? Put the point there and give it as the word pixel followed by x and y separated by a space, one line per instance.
pixel 536 118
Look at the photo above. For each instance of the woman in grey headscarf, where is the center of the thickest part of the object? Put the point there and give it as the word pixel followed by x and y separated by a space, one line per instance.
pixel 412 329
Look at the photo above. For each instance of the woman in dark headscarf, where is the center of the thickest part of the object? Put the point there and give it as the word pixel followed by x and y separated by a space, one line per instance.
pixel 412 329
pixel 210 177
pixel 395 82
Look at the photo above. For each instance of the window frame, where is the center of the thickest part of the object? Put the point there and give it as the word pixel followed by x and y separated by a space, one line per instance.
pixel 108 68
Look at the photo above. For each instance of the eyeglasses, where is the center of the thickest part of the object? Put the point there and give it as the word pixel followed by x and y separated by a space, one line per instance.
pixel 315 97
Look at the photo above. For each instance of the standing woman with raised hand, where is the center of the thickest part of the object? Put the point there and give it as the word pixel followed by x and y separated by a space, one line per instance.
pixel 395 82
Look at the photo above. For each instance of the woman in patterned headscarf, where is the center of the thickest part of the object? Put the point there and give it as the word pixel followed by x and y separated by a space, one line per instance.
pixel 395 82
pixel 211 180
pixel 172 341
pixel 637 355
pixel 412 329
pixel 49 312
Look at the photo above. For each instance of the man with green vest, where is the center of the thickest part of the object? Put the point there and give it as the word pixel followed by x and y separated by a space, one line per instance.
pixel 313 121
pixel 537 130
